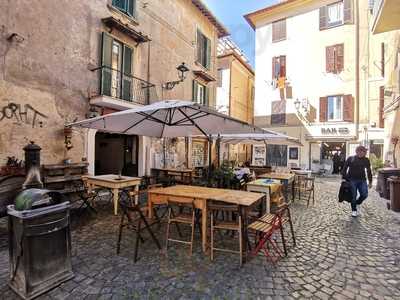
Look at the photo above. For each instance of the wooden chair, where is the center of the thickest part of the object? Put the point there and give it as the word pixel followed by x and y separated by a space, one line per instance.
pixel 305 186
pixel 134 216
pixel 217 225
pixel 273 222
pixel 87 197
pixel 185 214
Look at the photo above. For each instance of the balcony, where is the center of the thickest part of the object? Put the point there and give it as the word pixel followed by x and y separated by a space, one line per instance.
pixel 121 91
pixel 385 16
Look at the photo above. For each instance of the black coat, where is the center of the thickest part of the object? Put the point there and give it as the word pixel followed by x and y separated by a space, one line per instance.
pixel 345 192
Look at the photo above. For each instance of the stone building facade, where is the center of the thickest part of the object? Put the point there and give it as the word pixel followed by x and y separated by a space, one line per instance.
pixel 62 61
pixel 318 78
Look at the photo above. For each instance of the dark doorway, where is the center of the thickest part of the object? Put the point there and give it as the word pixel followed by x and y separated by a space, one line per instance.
pixel 115 153
pixel 336 153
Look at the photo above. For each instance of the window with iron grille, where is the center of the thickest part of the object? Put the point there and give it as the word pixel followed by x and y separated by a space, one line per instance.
pixel 126 6
pixel 116 68
pixel 203 50
pixel 279 30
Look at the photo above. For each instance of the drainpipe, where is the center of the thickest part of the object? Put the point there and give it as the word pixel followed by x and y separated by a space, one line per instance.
pixel 148 72
pixel 357 58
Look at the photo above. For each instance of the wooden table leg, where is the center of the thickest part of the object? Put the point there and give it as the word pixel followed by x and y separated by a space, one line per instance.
pixel 204 226
pixel 115 196
pixel 150 205
pixel 136 188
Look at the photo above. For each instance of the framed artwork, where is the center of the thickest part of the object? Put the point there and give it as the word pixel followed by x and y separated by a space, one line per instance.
pixel 293 153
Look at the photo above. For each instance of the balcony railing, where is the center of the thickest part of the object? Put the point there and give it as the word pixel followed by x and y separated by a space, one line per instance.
pixel 117 84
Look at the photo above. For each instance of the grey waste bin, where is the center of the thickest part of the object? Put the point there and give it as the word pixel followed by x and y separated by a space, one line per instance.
pixel 39 247
pixel 394 183
pixel 382 185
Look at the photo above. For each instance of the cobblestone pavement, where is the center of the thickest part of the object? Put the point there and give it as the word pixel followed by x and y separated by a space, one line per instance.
pixel 337 257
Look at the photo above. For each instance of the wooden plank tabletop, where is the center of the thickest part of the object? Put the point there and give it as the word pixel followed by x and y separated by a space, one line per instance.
pixel 113 178
pixel 198 192
pixel 281 176
pixel 173 170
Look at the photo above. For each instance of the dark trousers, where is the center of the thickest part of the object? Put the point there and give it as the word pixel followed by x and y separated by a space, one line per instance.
pixel 361 187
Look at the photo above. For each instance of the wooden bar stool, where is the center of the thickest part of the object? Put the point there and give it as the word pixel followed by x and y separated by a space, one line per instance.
pixel 184 214
pixel 217 225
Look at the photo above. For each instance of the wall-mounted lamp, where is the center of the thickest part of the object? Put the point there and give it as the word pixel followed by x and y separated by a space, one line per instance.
pixel 15 36
pixel 301 106
pixel 182 70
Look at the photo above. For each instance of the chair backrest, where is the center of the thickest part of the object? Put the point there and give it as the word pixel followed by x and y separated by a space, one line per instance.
pixel 215 205
pixel 278 195
pixel 180 201
pixel 309 182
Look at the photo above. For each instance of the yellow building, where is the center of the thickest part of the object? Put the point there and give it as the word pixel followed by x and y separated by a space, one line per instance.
pixel 318 78
pixel 235 92
pixel 386 25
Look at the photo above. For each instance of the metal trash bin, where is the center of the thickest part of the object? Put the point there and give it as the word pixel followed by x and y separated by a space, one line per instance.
pixel 39 245
pixel 394 183
pixel 382 185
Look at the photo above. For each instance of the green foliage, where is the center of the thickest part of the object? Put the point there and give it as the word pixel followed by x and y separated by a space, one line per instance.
pixel 222 176
pixel 376 163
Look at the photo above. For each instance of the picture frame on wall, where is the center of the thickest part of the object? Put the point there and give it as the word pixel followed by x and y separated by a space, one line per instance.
pixel 294 153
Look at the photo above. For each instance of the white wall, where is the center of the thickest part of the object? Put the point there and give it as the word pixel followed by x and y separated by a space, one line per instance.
pixel 305 58
pixel 222 101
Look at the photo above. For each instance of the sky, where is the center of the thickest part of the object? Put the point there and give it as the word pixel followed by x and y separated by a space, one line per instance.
pixel 230 13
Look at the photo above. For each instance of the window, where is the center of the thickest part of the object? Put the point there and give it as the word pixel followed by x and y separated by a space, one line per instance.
pixel 200 93
pixel 277 155
pixel 335 108
pixel 335 59
pixel 279 67
pixel 126 6
pixel 278 112
pixel 203 50
pixel 116 68
pixel 336 14
pixel 279 30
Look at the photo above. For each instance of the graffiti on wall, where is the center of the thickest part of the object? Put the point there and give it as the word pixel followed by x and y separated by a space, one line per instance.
pixel 22 114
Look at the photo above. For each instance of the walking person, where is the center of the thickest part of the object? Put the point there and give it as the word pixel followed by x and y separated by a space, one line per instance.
pixel 354 171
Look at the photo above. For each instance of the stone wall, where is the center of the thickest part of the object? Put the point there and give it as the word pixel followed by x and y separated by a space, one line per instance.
pixel 48 50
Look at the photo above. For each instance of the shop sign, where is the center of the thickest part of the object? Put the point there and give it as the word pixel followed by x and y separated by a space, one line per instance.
pixel 335 131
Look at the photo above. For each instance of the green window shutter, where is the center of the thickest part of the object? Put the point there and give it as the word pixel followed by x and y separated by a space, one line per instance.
pixel 206 96
pixel 106 52
pixel 194 91
pixel 127 73
pixel 199 41
pixel 208 56
pixel 119 4
pixel 131 7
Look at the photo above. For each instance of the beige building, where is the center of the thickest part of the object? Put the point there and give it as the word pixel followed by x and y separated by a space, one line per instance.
pixel 385 23
pixel 318 79
pixel 235 93
pixel 69 60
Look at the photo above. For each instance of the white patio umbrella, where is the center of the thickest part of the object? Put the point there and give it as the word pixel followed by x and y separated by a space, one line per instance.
pixel 260 138
pixel 170 118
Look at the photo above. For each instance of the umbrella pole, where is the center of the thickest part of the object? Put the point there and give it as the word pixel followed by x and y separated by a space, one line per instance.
pixel 266 154
pixel 209 156
pixel 218 151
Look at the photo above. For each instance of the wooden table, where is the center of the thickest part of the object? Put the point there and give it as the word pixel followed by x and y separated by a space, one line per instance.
pixel 176 172
pixel 285 178
pixel 114 183
pixel 200 196
pixel 261 186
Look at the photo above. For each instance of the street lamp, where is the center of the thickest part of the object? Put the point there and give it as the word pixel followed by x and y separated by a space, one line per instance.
pixel 182 70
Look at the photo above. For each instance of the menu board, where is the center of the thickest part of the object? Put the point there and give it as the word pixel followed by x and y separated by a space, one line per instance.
pixel 259 155
pixel 198 154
